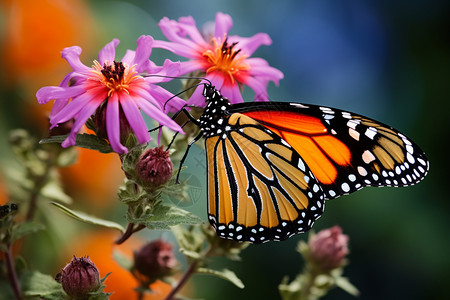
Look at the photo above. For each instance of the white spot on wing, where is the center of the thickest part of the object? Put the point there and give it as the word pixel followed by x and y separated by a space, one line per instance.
pixel 371 132
pixel 368 156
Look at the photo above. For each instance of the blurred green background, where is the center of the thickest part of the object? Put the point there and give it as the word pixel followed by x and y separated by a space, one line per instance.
pixel 389 60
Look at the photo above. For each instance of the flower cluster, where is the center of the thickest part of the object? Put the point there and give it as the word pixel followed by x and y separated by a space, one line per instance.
pixel 113 92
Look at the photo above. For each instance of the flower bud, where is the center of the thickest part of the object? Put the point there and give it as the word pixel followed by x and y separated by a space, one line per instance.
pixel 63 128
pixel 100 123
pixel 154 167
pixel 79 277
pixel 328 248
pixel 155 260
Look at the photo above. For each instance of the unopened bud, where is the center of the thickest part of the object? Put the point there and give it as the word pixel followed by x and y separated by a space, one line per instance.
pixel 155 260
pixel 100 123
pixel 328 248
pixel 79 277
pixel 154 167
pixel 63 128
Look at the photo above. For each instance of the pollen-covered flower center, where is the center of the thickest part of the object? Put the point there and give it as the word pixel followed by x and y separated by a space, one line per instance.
pixel 225 58
pixel 115 76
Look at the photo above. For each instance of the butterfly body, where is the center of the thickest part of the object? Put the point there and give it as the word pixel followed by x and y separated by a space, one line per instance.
pixel 272 165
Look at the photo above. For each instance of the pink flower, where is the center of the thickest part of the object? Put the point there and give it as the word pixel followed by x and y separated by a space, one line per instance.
pixel 328 248
pixel 120 85
pixel 224 59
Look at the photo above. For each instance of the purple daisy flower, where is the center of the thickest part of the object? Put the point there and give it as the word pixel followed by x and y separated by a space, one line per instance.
pixel 121 86
pixel 224 59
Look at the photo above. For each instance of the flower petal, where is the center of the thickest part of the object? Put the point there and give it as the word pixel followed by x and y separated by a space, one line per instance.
pixel 191 30
pixel 74 107
pixel 189 66
pixel 145 94
pixel 85 113
pixel 249 45
pixel 259 87
pixel 260 68
pixel 174 31
pixel 170 69
pixel 157 115
pixel 232 92
pixel 108 53
pixel 143 50
pixel 162 96
pixel 223 25
pixel 113 124
pixel 177 48
pixel 61 103
pixel 134 118
pixel 72 56
pixel 128 57
pixel 48 93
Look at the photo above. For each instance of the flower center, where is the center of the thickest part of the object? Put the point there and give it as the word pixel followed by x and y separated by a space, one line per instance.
pixel 116 76
pixel 225 58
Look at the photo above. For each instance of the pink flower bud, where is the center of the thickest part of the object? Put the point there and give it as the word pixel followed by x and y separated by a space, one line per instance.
pixel 154 167
pixel 328 248
pixel 155 260
pixel 100 123
pixel 79 277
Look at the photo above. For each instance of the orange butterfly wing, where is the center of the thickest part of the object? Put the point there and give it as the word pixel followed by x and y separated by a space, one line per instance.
pixel 345 151
pixel 259 189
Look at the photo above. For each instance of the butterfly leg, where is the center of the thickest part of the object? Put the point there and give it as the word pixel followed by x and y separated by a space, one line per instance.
pixel 185 155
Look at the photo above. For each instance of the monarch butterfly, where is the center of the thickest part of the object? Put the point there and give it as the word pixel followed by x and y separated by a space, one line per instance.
pixel 272 165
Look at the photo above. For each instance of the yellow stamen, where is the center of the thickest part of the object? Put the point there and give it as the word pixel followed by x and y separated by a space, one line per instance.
pixel 226 59
pixel 116 76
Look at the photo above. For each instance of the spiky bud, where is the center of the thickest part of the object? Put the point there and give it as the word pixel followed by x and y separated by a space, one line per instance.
pixel 79 277
pixel 154 167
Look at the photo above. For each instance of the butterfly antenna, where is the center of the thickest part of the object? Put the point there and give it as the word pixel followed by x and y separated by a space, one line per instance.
pixel 183 91
pixel 180 77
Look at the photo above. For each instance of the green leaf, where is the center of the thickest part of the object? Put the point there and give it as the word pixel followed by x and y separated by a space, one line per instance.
pixel 53 191
pixel 83 217
pixel 292 290
pixel 84 140
pixel 100 294
pixel 345 284
pixel 191 239
pixel 36 284
pixel 163 216
pixel 123 260
pixel 224 274
pixel 190 254
pixel 23 229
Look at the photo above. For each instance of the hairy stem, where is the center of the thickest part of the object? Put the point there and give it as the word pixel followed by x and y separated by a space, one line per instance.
pixel 190 271
pixel 38 185
pixel 130 230
pixel 12 275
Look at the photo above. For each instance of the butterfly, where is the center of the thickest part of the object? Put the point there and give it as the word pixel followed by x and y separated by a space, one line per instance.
pixel 272 165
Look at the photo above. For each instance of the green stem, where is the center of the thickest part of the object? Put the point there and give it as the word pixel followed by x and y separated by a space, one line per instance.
pixel 190 271
pixel 38 185
pixel 12 275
